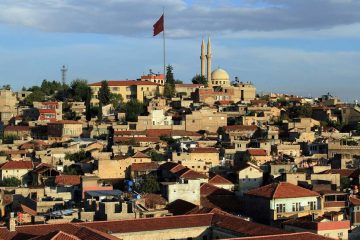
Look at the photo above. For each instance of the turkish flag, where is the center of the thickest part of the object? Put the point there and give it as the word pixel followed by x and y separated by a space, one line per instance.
pixel 159 25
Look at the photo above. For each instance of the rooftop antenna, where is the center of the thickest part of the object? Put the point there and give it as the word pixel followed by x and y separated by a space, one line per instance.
pixel 63 78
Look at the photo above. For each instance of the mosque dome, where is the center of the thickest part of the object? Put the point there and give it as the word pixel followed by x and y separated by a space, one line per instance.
pixel 220 77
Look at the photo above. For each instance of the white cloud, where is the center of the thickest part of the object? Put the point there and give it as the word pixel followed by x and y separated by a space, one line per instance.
pixel 285 18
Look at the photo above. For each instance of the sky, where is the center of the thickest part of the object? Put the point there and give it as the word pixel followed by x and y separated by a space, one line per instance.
pixel 307 47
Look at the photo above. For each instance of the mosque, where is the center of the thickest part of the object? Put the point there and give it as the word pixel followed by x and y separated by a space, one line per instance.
pixel 219 87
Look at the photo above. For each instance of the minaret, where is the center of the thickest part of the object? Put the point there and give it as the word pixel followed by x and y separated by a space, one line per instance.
pixel 208 56
pixel 202 58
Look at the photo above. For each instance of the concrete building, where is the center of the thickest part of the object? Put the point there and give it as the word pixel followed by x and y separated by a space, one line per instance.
pixel 250 177
pixel 205 119
pixel 119 167
pixel 155 119
pixel 279 201
pixel 49 111
pixel 16 169
pixel 128 89
pixel 8 105
pixel 65 129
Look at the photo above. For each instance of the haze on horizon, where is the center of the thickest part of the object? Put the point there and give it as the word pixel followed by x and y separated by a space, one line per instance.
pixel 308 47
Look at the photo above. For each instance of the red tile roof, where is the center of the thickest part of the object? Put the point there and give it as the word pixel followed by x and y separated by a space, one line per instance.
pixel 57 235
pixel 116 83
pixel 288 236
pixel 219 180
pixel 141 167
pixel 256 152
pixel 343 172
pixel 181 207
pixel 16 128
pixel 204 150
pixel 65 122
pixel 240 128
pixel 158 132
pixel 16 165
pixel 187 173
pixel 151 200
pixel 189 85
pixel 67 180
pixel 246 228
pixel 100 229
pixel 47 110
pixel 137 139
pixel 140 155
pixel 281 190
pixel 152 224
pixel 354 200
pixel 207 189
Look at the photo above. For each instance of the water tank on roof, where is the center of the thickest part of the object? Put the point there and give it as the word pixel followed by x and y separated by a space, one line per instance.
pixel 130 183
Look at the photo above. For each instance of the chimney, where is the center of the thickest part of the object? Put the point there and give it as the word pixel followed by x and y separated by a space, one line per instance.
pixel 12 223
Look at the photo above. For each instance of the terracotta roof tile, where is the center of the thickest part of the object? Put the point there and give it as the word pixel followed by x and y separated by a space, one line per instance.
pixel 204 150
pixel 246 228
pixel 137 139
pixel 354 200
pixel 187 173
pixel 151 224
pixel 343 172
pixel 240 128
pixel 12 128
pixel 207 189
pixel 181 207
pixel 64 122
pixel 281 190
pixel 16 165
pixel 114 83
pixel 219 180
pixel 288 236
pixel 151 200
pixel 140 155
pixel 256 152
pixel 141 167
pixel 67 180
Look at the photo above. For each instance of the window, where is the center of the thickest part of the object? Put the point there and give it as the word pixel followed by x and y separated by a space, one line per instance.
pixel 296 207
pixel 280 208
pixel 312 205
pixel 340 235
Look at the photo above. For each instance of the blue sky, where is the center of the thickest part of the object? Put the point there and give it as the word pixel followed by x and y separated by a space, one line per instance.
pixel 307 47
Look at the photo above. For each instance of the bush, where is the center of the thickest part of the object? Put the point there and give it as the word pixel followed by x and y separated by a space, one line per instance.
pixel 10 182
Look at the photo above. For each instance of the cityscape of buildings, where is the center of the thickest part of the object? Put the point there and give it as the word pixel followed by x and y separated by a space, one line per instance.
pixel 154 157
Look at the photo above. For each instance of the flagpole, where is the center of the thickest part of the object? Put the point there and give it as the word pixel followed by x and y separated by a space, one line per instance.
pixel 164 43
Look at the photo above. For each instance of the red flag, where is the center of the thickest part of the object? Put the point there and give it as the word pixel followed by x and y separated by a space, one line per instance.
pixel 159 25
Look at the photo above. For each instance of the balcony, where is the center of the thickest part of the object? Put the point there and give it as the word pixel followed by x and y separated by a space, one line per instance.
pixel 304 211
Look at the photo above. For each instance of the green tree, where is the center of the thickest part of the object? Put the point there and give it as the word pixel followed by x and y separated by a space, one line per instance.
pixel 78 156
pixel 9 139
pixel 155 156
pixel 177 81
pixel 35 96
pixel 300 111
pixel 198 79
pixel 169 88
pixel 10 182
pixel 70 170
pixel 104 93
pixel 88 105
pixel 133 109
pixel 116 100
pixel 50 87
pixel 79 89
pixel 148 184
pixel 100 113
